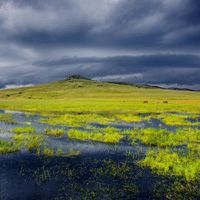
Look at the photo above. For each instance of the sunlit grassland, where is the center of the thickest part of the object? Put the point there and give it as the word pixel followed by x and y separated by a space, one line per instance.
pixel 79 95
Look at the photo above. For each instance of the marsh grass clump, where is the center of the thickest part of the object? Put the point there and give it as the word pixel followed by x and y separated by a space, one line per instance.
pixel 177 120
pixel 166 162
pixel 7 118
pixel 29 141
pixel 106 135
pixel 77 119
pixel 20 130
pixel 54 132
pixel 163 137
pixel 48 152
pixel 84 135
pixel 8 147
pixel 128 118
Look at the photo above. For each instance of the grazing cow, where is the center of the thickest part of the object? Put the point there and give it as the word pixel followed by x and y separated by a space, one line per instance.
pixel 146 102
pixel 165 101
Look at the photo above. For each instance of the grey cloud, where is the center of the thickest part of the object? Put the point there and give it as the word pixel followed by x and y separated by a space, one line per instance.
pixel 157 39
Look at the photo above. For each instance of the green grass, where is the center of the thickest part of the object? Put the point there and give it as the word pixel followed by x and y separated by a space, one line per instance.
pixel 95 97
pixel 77 120
pixel 107 135
pixel 54 132
pixel 7 118
pixel 166 162
pixel 163 137
pixel 8 147
pixel 177 120
pixel 19 130
pixel 29 141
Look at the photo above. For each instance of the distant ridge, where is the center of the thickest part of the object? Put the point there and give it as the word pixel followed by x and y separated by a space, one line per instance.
pixel 153 86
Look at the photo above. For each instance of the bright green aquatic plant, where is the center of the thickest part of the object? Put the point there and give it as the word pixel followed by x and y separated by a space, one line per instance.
pixel 77 120
pixel 29 141
pixel 48 152
pixel 8 147
pixel 19 130
pixel 7 118
pixel 107 135
pixel 167 162
pixel 130 118
pixel 84 135
pixel 177 119
pixel 54 132
pixel 163 137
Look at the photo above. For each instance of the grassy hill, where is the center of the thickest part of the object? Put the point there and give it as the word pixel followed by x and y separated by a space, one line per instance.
pixel 79 94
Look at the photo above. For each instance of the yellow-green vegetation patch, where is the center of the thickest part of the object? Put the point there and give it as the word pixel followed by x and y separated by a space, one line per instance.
pixel 54 132
pixel 106 135
pixel 177 120
pixel 130 117
pixel 7 118
pixel 163 137
pixel 166 162
pixel 29 141
pixel 195 147
pixel 77 119
pixel 19 130
pixel 8 147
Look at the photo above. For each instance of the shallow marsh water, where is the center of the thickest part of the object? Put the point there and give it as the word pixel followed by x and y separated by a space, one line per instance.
pixel 100 171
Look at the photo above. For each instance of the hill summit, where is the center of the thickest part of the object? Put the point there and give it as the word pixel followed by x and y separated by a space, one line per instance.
pixel 77 76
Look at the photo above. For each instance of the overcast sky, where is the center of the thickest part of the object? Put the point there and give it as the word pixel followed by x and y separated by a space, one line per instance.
pixel 139 41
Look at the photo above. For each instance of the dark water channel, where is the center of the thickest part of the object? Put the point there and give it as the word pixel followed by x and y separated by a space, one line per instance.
pixel 101 171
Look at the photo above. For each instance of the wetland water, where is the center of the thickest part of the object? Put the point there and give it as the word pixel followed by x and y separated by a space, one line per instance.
pixel 89 169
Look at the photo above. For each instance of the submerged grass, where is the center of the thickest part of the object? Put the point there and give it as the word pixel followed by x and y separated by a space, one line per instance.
pixel 49 152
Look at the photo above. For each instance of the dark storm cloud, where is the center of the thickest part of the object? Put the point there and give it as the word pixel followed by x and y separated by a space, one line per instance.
pixel 126 24
pixel 136 41
pixel 144 61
